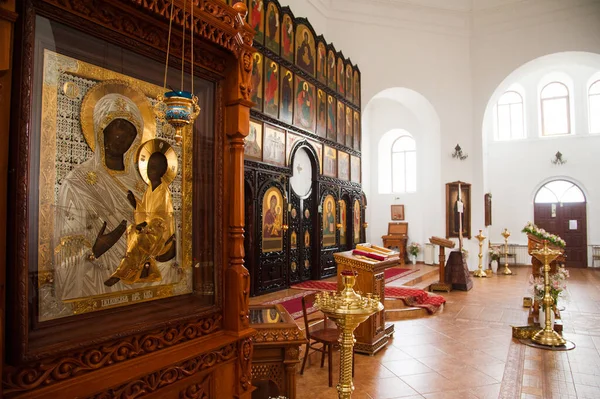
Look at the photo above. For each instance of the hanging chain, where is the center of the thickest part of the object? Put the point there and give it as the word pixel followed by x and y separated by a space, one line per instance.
pixel 168 45
pixel 192 44
pixel 183 44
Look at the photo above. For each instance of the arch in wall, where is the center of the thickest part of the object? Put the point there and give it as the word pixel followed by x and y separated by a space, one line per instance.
pixel 549 63
pixel 404 108
pixel 500 161
pixel 560 208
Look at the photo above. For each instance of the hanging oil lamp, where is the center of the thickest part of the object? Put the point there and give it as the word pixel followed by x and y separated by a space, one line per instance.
pixel 179 108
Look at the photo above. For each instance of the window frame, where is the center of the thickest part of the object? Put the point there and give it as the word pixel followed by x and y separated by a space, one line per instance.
pixel 393 171
pixel 589 96
pixel 509 105
pixel 568 108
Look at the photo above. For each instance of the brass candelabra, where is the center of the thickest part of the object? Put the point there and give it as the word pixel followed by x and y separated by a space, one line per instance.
pixel 347 309
pixel 547 336
pixel 480 272
pixel 506 270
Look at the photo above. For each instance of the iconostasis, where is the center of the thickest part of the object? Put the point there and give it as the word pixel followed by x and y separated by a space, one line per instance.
pixel 306 97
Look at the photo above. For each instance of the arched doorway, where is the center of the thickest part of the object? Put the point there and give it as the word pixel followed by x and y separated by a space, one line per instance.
pixel 560 208
pixel 303 215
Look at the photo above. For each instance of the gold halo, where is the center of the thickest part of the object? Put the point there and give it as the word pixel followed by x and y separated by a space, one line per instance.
pixel 157 145
pixel 120 87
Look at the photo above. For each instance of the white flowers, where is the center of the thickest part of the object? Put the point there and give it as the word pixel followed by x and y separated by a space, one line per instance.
pixel 532 229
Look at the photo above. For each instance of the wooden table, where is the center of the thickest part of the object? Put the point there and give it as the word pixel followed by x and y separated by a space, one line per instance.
pixel 373 334
pixel 276 352
pixel 391 241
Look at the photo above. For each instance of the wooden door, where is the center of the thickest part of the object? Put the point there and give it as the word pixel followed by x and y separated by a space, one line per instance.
pixel 301 234
pixel 569 221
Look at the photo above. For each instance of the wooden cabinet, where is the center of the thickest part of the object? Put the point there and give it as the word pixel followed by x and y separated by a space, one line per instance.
pixel 397 237
pixel 373 334
pixel 276 352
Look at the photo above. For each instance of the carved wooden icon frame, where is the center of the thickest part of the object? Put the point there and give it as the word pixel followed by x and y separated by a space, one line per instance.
pixel 452 222
pixel 140 342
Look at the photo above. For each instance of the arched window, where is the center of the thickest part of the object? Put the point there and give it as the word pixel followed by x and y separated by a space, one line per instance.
pixel 404 165
pixel 558 191
pixel 594 106
pixel 555 109
pixel 509 111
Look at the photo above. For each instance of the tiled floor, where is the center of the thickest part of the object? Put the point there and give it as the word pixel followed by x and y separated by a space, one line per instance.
pixel 462 352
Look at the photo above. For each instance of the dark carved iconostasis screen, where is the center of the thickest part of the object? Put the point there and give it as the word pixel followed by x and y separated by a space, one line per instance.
pixel 306 93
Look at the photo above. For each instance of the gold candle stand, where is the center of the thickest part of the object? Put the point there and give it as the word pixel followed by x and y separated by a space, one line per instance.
pixel 347 309
pixel 547 336
pixel 480 272
pixel 506 270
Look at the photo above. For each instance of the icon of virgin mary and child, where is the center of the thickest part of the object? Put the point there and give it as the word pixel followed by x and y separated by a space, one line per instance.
pixel 106 238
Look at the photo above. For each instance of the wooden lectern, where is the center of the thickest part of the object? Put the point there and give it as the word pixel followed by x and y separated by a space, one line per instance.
pixel 442 285
pixel 373 334
pixel 534 243
pixel 396 237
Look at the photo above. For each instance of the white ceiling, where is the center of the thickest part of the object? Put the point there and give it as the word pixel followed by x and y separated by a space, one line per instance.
pixel 450 5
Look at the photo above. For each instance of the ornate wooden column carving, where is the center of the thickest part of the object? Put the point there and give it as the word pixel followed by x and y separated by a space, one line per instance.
pixel 237 278
pixel 7 19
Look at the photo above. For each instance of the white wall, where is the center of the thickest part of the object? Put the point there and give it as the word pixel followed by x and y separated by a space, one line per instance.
pixel 455 54
pixel 408 110
pixel 505 159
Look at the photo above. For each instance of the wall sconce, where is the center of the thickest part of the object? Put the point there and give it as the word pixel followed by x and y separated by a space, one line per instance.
pixel 459 154
pixel 558 159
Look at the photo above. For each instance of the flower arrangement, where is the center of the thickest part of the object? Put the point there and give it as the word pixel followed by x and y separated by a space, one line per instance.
pixel 558 285
pixel 414 248
pixel 532 229
pixel 494 253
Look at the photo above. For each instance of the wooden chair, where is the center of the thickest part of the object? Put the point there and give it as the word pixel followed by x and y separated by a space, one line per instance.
pixel 595 254
pixel 324 340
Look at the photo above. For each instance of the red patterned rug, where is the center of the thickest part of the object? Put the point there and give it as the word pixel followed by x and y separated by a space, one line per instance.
pixel 293 304
pixel 390 275
pixel 410 297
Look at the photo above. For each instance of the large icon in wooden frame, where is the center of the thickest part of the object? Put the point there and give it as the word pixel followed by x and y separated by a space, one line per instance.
pixel 331 117
pixel 454 218
pixel 98 193
pixel 341 122
pixel 343 165
pixel 256 14
pixel 354 169
pixel 356 88
pixel 274 145
pixel 271 83
pixel 356 222
pixel 253 142
pixel 343 223
pixel 257 81
pixel 330 162
pixel 349 123
pixel 321 113
pixel 341 81
pixel 304 104
pixel 329 221
pixel 349 92
pixel 356 132
pixel 272 24
pixel 331 69
pixel 321 62
pixel 305 49
pixel 272 220
pixel 286 105
pixel 287 38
